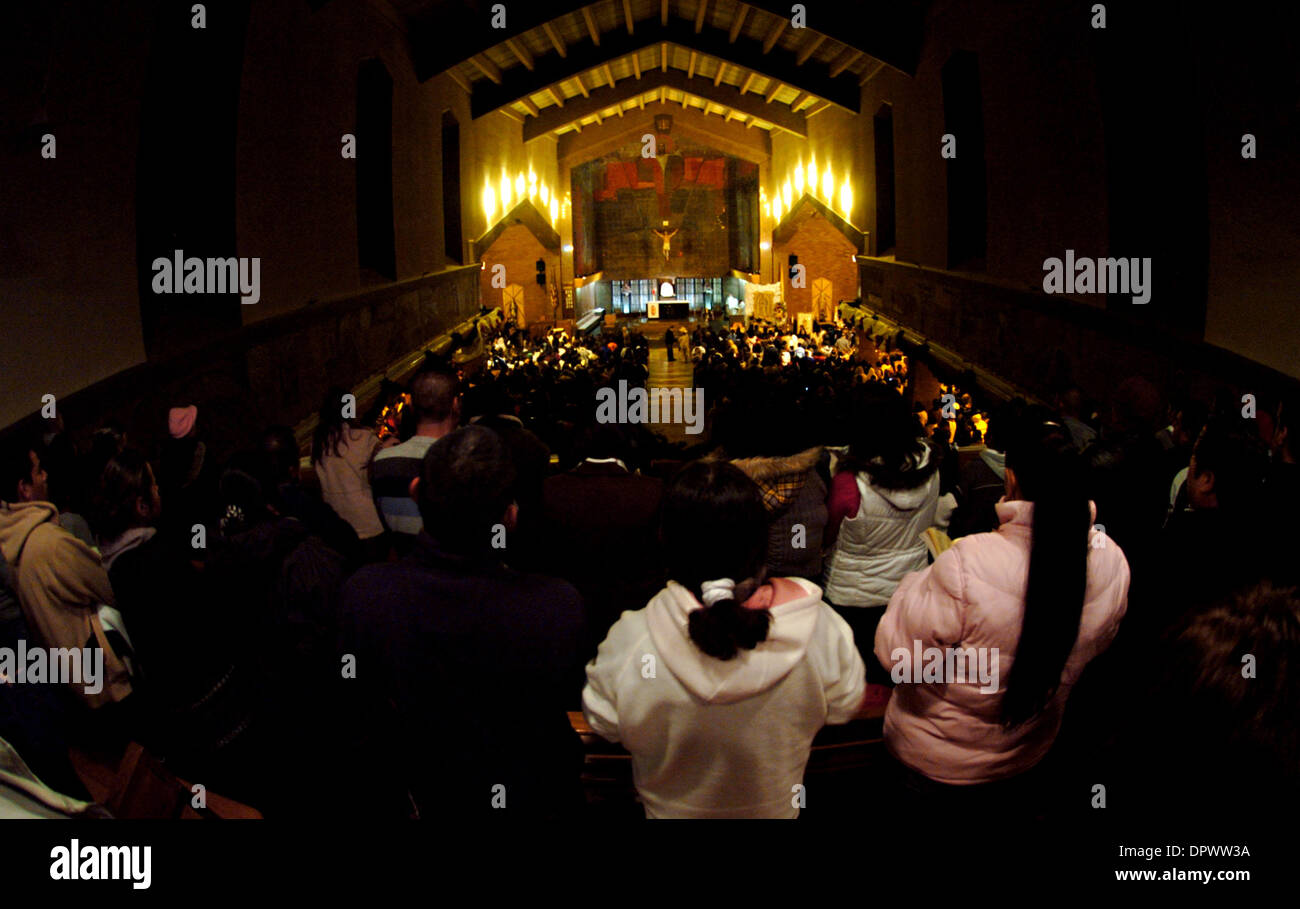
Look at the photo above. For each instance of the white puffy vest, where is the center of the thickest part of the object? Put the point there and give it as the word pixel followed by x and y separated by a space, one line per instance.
pixel 881 543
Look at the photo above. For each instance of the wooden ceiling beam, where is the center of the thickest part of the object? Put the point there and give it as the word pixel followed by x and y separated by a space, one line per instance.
pixel 487 67
pixel 521 53
pixel 737 24
pixel 591 25
pixel 627 15
pixel 556 41
pixel 809 48
pixel 700 13
pixel 770 41
pixel 850 57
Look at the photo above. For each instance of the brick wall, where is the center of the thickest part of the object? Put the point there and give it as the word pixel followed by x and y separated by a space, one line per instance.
pixel 518 250
pixel 826 253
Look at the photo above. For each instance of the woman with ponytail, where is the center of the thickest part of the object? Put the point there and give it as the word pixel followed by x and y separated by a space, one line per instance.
pixel 719 684
pixel 1032 602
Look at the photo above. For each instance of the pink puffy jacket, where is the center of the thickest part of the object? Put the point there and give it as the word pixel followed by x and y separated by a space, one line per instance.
pixel 973 597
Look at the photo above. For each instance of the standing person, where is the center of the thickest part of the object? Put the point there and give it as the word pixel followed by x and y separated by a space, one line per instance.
pixel 436 403
pixel 1043 595
pixel 342 454
pixel 449 638
pixel 59 581
pixel 882 499
pixel 718 686
pixel 670 342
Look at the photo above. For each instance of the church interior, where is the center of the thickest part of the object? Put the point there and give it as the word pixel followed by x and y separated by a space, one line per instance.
pixel 602 411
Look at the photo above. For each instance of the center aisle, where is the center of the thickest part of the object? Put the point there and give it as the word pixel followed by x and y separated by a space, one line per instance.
pixel 678 374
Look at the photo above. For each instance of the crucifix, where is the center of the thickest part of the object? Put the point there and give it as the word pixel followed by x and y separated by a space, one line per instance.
pixel 667 237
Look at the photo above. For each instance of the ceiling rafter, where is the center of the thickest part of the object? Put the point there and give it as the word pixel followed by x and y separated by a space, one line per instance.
pixel 487 67
pixel 581 85
pixel 851 56
pixel 770 41
pixel 521 53
pixel 583 57
pixel 656 85
pixel 776 87
pixel 591 25
pixel 690 67
pixel 737 24
pixel 700 13
pixel 556 41
pixel 445 34
pixel 809 48
pixel 717 77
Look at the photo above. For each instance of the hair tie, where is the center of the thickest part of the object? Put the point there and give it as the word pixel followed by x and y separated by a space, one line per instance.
pixel 713 591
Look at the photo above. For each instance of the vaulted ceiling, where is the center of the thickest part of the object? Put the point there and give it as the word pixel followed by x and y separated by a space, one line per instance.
pixel 560 72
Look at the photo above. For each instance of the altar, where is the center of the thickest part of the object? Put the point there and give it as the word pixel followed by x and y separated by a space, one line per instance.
pixel 668 309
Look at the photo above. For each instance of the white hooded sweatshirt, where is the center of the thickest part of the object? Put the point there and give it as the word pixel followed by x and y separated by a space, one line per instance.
pixel 714 738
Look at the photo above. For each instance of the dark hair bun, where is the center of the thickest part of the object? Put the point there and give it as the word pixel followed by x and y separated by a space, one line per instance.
pixel 726 627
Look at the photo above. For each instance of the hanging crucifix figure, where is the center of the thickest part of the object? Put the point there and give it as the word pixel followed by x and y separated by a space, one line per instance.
pixel 667 236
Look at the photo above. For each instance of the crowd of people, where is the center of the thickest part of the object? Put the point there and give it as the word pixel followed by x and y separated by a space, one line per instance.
pixel 406 623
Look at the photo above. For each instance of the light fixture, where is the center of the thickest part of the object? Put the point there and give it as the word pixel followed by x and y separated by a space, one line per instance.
pixel 788 197
pixel 828 185
pixel 568 247
pixel 798 179
pixel 764 246
pixel 519 185
pixel 546 194
pixel 846 199
pixel 555 211
pixel 489 201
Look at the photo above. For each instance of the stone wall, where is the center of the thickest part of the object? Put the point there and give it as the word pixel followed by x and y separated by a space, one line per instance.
pixel 1040 343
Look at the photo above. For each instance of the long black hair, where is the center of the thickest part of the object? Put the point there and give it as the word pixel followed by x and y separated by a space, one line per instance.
pixel 713 526
pixel 886 441
pixel 330 424
pixel 1050 474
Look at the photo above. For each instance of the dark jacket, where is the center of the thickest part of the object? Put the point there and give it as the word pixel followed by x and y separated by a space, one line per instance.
pixel 600 533
pixel 461 670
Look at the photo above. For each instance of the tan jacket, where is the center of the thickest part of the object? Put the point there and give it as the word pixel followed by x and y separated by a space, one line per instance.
pixel 60 584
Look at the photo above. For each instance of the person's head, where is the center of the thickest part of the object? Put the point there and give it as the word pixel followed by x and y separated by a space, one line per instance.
pixel 1244 713
pixel 1227 467
pixel 1044 468
pixel 713 526
pixel 885 441
pixel 127 495
pixel 1136 408
pixel 24 478
pixel 280 448
pixel 435 398
pixel 242 493
pixel 465 488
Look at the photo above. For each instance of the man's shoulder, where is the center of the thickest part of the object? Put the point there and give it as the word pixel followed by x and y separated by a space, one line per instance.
pixel 414 448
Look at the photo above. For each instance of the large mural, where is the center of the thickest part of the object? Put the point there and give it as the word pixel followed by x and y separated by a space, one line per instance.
pixel 690 211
